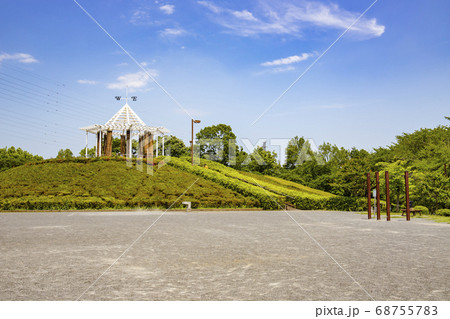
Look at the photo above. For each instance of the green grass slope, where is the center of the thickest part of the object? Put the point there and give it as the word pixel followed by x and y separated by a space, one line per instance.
pixel 115 184
pixel 272 192
pixel 110 184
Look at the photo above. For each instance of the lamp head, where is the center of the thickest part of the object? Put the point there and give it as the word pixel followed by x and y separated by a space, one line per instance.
pixel 197 121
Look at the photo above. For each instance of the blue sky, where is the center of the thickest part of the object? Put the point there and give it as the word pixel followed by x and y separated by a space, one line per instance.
pixel 224 62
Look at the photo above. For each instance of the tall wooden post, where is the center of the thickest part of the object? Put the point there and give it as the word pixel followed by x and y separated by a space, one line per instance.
pixel 129 154
pixel 408 212
pixel 388 198
pixel 122 145
pixel 141 146
pixel 163 151
pixel 108 151
pixel 377 178
pixel 99 143
pixel 150 145
pixel 369 200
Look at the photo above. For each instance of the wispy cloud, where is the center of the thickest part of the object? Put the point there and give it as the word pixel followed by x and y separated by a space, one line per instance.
pixel 292 18
pixel 134 81
pixel 167 8
pixel 288 60
pixel 172 32
pixel 19 57
pixel 89 82
pixel 139 17
pixel 244 15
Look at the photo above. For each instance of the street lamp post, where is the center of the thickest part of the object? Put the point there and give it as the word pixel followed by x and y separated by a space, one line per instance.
pixel 192 139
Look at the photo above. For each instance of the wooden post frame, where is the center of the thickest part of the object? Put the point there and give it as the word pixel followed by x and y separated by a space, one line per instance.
pixel 129 147
pixel 99 143
pixel 122 145
pixel 377 179
pixel 388 198
pixel 369 198
pixel 108 151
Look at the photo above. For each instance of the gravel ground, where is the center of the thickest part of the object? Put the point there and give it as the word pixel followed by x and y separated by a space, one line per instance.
pixel 221 256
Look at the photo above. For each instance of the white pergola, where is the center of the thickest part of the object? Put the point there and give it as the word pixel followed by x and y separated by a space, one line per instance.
pixel 125 124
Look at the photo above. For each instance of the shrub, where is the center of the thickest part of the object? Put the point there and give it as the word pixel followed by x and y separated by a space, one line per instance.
pixel 443 212
pixel 423 209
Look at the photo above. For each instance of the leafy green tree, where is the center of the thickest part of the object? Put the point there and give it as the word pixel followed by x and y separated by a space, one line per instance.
pixel 12 157
pixel 351 179
pixel 215 142
pixel 293 151
pixel 431 189
pixel 92 152
pixel 64 154
pixel 263 161
pixel 173 146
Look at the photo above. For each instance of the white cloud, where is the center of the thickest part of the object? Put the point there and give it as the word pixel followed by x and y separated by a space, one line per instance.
pixel 283 69
pixel 140 17
pixel 19 57
pixel 288 60
pixel 210 6
pixel 90 82
pixel 245 15
pixel 172 32
pixel 134 81
pixel 167 8
pixel 276 17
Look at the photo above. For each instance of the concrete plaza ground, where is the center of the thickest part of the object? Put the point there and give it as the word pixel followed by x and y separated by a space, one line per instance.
pixel 222 256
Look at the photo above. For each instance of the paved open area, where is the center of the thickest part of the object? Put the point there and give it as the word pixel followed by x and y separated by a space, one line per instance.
pixel 221 256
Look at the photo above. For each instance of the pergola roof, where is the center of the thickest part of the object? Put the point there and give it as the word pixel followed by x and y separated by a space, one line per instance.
pixel 125 119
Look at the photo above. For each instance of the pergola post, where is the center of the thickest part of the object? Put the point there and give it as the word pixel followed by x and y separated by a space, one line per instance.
pixel 104 144
pixel 157 138
pixel 140 146
pixel 163 153
pixel 99 143
pixel 108 151
pixel 129 143
pixel 122 145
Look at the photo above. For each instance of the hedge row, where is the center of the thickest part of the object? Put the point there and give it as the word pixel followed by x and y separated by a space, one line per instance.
pixel 68 203
pixel 443 212
pixel 267 199
pixel 301 199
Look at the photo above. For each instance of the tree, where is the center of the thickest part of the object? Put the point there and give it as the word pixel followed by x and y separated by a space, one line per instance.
pixel 173 146
pixel 12 157
pixel 293 151
pixel 263 161
pixel 432 190
pixel 64 154
pixel 215 142
pixel 92 152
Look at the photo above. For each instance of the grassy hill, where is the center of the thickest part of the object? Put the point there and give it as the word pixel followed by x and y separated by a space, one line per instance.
pixel 111 183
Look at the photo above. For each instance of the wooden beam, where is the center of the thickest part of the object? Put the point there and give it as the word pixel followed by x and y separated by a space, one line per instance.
pixel 108 151
pixel 129 147
pixel 99 143
pixel 122 145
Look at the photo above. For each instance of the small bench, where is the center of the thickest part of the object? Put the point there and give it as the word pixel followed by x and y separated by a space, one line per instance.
pixel 413 211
